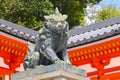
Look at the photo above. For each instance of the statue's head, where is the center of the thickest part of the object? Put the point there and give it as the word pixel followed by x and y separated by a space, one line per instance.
pixel 57 21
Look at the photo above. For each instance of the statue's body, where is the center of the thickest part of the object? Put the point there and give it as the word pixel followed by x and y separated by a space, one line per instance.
pixel 51 43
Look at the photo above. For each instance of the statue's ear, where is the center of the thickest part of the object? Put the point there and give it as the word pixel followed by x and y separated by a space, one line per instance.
pixel 46 18
pixel 41 31
pixel 65 17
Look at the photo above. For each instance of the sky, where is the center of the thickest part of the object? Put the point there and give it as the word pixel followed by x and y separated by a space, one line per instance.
pixel 98 7
pixel 116 3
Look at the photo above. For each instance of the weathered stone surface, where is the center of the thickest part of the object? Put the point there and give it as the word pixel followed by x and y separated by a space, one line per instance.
pixel 52 72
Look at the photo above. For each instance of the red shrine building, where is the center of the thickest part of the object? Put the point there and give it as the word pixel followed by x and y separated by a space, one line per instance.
pixel 95 48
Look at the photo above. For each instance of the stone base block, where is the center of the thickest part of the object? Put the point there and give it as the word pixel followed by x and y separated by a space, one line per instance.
pixel 59 71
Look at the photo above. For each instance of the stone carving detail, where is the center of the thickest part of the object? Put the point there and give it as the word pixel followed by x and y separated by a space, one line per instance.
pixel 51 43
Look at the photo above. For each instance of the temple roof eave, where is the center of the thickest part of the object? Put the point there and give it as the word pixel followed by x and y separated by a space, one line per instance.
pixel 79 36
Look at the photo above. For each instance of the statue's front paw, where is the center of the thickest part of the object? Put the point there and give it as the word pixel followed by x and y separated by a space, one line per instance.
pixel 25 65
pixel 68 62
pixel 58 61
pixel 61 61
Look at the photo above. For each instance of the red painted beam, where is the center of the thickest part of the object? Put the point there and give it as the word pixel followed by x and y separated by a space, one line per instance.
pixel 13 46
pixel 86 61
pixel 105 71
pixel 5 71
pixel 112 76
pixel 107 49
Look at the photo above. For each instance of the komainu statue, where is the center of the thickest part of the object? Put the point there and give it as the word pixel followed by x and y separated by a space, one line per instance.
pixel 51 43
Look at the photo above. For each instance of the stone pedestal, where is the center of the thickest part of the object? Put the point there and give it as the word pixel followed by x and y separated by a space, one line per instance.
pixel 59 71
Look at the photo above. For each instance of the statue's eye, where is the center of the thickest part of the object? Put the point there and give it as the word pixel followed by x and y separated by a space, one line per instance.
pixel 63 22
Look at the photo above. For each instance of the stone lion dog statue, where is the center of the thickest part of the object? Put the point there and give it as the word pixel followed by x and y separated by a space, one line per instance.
pixel 51 44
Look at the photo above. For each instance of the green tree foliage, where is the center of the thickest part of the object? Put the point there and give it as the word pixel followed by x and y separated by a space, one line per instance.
pixel 28 13
pixel 74 9
pixel 107 13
